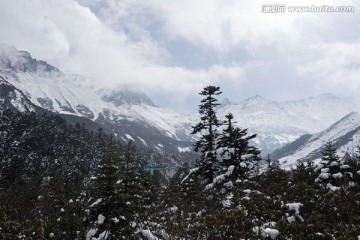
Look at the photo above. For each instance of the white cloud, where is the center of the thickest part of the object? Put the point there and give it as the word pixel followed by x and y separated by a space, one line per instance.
pixel 128 43
pixel 71 37
pixel 224 24
pixel 337 65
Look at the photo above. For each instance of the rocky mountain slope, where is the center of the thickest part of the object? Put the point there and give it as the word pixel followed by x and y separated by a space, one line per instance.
pixel 27 83
pixel 128 115
pixel 279 123
pixel 344 134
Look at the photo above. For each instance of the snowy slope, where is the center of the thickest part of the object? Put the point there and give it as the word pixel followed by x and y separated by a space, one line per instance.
pixel 318 113
pixel 49 88
pixel 279 123
pixel 13 99
pixel 273 125
pixel 132 115
pixel 344 134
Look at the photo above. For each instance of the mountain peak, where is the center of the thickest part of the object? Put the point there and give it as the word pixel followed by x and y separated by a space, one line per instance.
pixel 21 61
pixel 256 98
pixel 327 96
pixel 258 101
pixel 225 102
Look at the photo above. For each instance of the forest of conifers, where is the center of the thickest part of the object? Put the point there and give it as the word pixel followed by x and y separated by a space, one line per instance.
pixel 61 181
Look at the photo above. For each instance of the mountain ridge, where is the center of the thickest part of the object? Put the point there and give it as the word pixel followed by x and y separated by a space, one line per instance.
pixel 279 123
pixel 128 115
pixel 15 60
pixel 344 135
pixel 119 110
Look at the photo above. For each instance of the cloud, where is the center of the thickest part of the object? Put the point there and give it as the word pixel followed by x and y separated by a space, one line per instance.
pixel 171 49
pixel 70 36
pixel 223 24
pixel 337 65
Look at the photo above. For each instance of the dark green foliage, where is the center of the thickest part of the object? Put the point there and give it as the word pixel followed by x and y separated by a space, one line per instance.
pixel 45 171
pixel 122 194
pixel 59 181
pixel 175 192
pixel 356 157
pixel 190 195
pixel 43 160
pixel 222 224
pixel 233 143
pixel 266 201
pixel 13 228
pixel 217 176
pixel 329 153
pixel 67 222
pixel 208 128
pixel 137 188
pixel 334 173
pixel 107 203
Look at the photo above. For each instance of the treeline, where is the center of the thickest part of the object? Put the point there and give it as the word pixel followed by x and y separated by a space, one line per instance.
pixel 60 181
pixel 227 195
pixel 57 180
pixel 310 202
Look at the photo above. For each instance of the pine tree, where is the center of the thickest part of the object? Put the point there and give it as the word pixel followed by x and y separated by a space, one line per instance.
pixel 329 163
pixel 123 195
pixel 356 156
pixel 268 161
pixel 135 186
pixel 207 127
pixel 233 145
pixel 106 208
pixel 330 169
pixel 329 153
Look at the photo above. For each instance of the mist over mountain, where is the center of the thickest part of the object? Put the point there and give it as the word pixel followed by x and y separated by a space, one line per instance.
pixel 34 146
pixel 21 61
pixel 179 120
pixel 27 83
pixel 126 114
pixel 119 98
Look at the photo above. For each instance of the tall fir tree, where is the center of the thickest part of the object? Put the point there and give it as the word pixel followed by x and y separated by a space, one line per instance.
pixel 107 207
pixel 233 146
pixel 124 194
pixel 135 186
pixel 207 127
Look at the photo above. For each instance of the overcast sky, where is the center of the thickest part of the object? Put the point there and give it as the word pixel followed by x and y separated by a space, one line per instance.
pixel 171 49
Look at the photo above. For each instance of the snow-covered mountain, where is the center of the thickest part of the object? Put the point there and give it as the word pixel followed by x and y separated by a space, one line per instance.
pixel 129 115
pixel 279 123
pixel 344 134
pixel 13 99
pixel 27 83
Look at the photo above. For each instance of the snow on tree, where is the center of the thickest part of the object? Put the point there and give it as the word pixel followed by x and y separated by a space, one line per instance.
pixel 207 127
pixel 110 205
pixel 233 146
pixel 333 172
